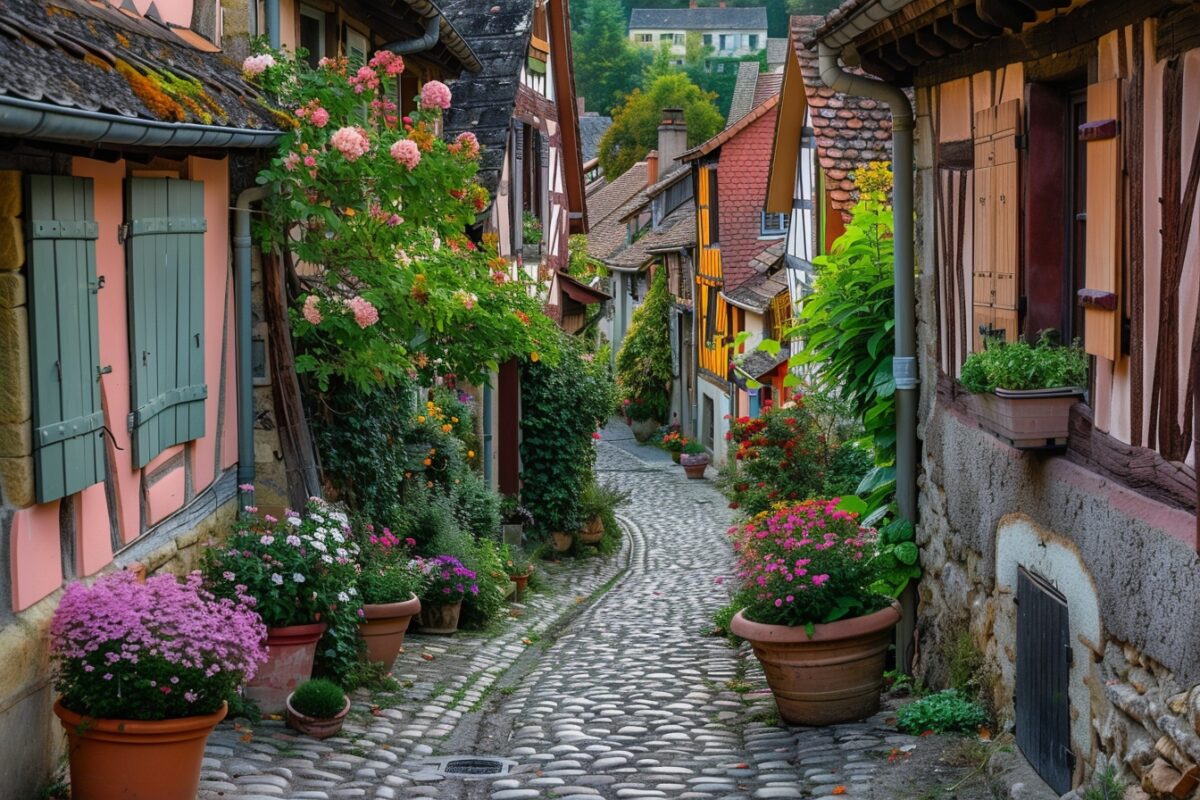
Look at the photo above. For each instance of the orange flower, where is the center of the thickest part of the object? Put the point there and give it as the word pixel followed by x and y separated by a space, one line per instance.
pixel 838 790
pixel 470 454
pixel 428 462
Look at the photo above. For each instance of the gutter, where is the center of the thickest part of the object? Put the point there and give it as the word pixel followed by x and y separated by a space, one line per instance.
pixel 432 35
pixel 35 120
pixel 271 12
pixel 242 244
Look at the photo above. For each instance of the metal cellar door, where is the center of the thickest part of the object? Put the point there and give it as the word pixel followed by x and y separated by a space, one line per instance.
pixel 1043 667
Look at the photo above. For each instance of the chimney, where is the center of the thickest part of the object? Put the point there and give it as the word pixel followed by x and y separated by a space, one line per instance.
pixel 672 139
pixel 692 4
pixel 721 4
pixel 581 104
pixel 652 168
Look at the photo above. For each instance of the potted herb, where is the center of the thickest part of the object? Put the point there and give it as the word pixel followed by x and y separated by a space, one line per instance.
pixel 514 519
pixel 1023 393
pixel 389 585
pixel 597 501
pixel 694 460
pixel 811 612
pixel 447 582
pixel 317 708
pixel 673 443
pixel 300 570
pixel 519 568
pixel 143 672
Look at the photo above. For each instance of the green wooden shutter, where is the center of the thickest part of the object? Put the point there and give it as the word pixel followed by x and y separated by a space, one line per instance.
pixel 68 422
pixel 165 253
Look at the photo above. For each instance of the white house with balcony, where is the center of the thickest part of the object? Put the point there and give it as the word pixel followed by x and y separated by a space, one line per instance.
pixel 730 32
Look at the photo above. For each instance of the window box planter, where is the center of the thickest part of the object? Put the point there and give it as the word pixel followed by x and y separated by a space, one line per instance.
pixel 1028 419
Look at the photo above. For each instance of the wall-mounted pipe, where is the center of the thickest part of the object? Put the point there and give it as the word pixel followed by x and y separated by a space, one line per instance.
pixel 432 35
pixel 242 244
pixel 271 12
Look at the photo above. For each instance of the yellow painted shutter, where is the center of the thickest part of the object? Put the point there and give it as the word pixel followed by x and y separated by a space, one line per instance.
pixel 997 223
pixel 1101 326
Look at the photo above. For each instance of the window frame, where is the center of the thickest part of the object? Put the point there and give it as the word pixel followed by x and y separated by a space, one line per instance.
pixel 351 31
pixel 772 232
pixel 303 11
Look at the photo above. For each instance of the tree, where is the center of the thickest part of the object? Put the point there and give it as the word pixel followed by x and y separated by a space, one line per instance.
pixel 644 360
pixel 607 65
pixel 634 131
pixel 821 7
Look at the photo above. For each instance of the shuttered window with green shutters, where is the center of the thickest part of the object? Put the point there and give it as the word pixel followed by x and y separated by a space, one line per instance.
pixel 68 422
pixel 165 253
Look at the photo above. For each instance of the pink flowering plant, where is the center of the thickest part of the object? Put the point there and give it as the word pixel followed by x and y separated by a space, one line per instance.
pixel 162 649
pixel 377 205
pixel 448 581
pixel 805 564
pixel 391 571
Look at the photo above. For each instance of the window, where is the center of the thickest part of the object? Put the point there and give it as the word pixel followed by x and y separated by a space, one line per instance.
pixel 645 38
pixel 312 34
pixel 724 39
pixel 679 38
pixel 708 422
pixel 707 39
pixel 774 225
pixel 714 209
pixel 754 41
pixel 720 66
pixel 666 37
pixel 357 46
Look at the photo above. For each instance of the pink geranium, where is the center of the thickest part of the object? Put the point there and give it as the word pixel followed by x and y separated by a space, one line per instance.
pixel 407 153
pixel 435 94
pixel 254 66
pixel 467 144
pixel 350 142
pixel 365 314
pixel 311 312
pixel 319 117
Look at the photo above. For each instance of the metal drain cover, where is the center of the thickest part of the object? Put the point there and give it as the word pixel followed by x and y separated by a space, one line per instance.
pixel 471 767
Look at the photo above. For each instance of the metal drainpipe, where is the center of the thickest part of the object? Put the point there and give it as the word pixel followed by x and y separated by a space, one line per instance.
pixel 271 12
pixel 904 365
pixel 242 243
pixel 487 433
pixel 432 35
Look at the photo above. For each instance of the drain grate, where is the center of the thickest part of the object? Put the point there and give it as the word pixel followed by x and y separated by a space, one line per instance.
pixel 471 767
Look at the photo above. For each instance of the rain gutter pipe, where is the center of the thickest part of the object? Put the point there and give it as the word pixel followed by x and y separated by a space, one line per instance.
pixel 432 35
pixel 271 12
pixel 242 244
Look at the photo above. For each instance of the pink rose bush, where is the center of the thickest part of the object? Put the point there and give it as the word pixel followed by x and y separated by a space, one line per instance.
pixel 311 312
pixel 805 564
pixel 162 649
pixel 435 94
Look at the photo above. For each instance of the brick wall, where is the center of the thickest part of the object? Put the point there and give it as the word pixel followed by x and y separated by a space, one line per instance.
pixel 742 182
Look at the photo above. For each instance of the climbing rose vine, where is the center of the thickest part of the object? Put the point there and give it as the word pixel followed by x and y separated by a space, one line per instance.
pixel 375 208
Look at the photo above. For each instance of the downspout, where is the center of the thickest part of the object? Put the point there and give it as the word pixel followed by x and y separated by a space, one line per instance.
pixel 904 365
pixel 432 35
pixel 487 433
pixel 271 12
pixel 242 243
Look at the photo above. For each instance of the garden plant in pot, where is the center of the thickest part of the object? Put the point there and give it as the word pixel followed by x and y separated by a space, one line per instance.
pixel 301 571
pixel 518 566
pixel 389 586
pixel 514 519
pixel 144 670
pixel 673 442
pixel 1023 393
pixel 694 460
pixel 596 502
pixel 812 610
pixel 447 582
pixel 317 708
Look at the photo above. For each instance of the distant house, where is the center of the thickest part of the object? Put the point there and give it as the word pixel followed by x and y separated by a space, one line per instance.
pixel 730 32
pixel 592 127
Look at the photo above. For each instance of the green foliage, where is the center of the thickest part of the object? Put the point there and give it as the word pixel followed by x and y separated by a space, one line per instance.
pixel 580 265
pixel 388 572
pixel 531 229
pixel 846 325
pixel 692 448
pixel 425 516
pixel 1105 785
pixel 844 469
pixel 1020 365
pixel 482 557
pixel 634 131
pixel 811 7
pixel 319 698
pixel 948 711
pixel 896 554
pixel 966 664
pixel 718 75
pixel 607 65
pixel 644 360
pixel 477 507
pixel 562 407
pixel 597 498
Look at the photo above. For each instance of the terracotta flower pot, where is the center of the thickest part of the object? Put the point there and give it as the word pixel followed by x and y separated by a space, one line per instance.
pixel 317 727
pixel 835 676
pixel 290 653
pixel 441 618
pixel 521 582
pixel 1027 419
pixel 643 429
pixel 561 541
pixel 136 759
pixel 383 626
pixel 593 531
pixel 694 465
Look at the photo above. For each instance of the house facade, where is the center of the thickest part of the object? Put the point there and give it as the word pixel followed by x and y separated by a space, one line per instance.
pixel 1056 168
pixel 730 32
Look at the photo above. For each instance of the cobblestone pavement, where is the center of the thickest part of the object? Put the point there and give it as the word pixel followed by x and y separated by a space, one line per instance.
pixel 624 698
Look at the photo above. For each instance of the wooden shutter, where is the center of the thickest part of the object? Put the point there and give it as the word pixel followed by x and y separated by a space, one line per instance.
pixel 68 420
pixel 997 221
pixel 714 208
pixel 165 253
pixel 1102 324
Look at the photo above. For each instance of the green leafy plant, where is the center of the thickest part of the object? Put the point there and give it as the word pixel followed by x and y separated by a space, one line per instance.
pixel 947 711
pixel 515 560
pixel 531 229
pixel 692 448
pixel 597 498
pixel 319 698
pixel 390 572
pixel 644 360
pixel 1019 365
pixel 1105 785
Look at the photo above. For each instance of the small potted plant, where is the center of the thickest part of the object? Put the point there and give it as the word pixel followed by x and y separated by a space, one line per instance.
pixel 317 708
pixel 389 585
pixel 1023 393
pixel 447 582
pixel 299 570
pixel 644 418
pixel 519 568
pixel 514 519
pixel 694 460
pixel 596 502
pixel 673 443
pixel 812 611
pixel 143 671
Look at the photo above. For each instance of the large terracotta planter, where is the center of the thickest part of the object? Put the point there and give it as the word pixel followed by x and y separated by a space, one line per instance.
pixel 521 582
pixel 317 727
pixel 835 676
pixel 644 429
pixel 383 626
pixel 290 653
pixel 561 541
pixel 122 759
pixel 1027 419
pixel 441 619
pixel 694 464
pixel 593 531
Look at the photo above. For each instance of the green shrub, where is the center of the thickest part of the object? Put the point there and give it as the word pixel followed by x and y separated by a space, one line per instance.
pixel 476 506
pixel 948 711
pixel 644 360
pixel 319 698
pixel 1020 365
pixel 483 558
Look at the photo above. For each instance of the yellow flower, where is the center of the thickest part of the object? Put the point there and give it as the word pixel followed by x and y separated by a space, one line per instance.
pixel 534 357
pixel 470 454
pixel 447 428
pixel 421 419
pixel 454 420
pixel 429 404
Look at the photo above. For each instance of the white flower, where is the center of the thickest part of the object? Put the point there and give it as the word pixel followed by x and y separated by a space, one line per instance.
pixel 276 579
pixel 319 546
pixel 297 577
pixel 341 551
pixel 294 521
pixel 340 517
pixel 343 597
pixel 327 559
pixel 352 591
pixel 339 538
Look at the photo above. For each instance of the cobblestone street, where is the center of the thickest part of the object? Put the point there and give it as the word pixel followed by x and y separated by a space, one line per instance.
pixel 606 686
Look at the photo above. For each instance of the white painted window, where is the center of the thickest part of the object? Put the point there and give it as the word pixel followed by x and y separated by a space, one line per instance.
pixel 312 33
pixel 645 38
pixel 357 47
